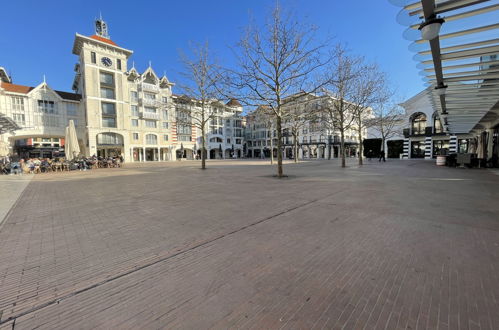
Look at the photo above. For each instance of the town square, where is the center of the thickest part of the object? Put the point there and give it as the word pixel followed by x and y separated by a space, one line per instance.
pixel 289 180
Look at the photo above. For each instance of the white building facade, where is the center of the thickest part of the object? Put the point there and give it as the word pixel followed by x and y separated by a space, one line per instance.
pixel 117 111
pixel 315 139
pixel 421 132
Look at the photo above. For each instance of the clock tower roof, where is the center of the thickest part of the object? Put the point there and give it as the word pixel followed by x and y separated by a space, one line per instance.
pixel 106 40
pixel 81 39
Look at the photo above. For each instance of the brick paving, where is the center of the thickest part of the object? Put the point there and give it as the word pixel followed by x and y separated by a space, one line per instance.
pixel 171 246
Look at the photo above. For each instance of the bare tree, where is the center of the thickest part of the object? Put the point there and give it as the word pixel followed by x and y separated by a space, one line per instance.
pixel 300 112
pixel 387 122
pixel 370 90
pixel 354 87
pixel 202 77
pixel 276 62
pixel 265 117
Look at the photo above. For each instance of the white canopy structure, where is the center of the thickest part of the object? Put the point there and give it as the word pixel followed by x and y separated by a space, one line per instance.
pixel 461 61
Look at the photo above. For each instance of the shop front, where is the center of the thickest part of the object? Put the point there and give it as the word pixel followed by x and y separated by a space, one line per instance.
pixel 109 145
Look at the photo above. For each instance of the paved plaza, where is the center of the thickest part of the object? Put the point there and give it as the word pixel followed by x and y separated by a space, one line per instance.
pixel 401 245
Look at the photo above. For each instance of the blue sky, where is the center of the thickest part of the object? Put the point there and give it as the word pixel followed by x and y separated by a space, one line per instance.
pixel 37 36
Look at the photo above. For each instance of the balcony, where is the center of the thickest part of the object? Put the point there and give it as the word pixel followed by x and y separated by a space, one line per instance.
pixel 148 87
pixel 149 115
pixel 150 102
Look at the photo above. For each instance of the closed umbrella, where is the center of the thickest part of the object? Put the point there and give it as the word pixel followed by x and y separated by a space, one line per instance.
pixel 67 143
pixel 71 147
pixel 472 146
pixel 480 148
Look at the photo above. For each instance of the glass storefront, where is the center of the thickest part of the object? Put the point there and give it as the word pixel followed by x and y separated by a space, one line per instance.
pixel 440 148
pixel 417 149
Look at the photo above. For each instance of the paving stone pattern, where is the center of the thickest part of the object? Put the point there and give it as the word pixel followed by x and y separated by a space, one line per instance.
pixel 401 245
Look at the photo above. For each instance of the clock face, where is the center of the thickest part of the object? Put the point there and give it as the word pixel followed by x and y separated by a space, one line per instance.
pixel 106 61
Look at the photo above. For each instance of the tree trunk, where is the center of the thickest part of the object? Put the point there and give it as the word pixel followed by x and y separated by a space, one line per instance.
pixel 279 147
pixel 342 146
pixel 295 147
pixel 361 146
pixel 203 149
pixel 271 146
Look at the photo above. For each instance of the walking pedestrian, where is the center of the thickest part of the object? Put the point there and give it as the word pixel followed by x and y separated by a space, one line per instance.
pixel 382 156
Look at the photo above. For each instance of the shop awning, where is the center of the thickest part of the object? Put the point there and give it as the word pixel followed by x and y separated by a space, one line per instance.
pixel 7 124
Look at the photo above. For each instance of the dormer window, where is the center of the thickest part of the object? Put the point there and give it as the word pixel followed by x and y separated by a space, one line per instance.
pixel 46 106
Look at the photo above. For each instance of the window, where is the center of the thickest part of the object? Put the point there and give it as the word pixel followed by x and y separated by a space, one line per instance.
pixel 440 147
pixel 18 118
pixel 227 122
pixel 135 123
pixel 228 141
pixel 184 138
pixel 107 79
pixel 150 110
pixel 462 146
pixel 118 64
pixel 108 122
pixel 109 138
pixel 238 141
pixel 184 129
pixel 150 123
pixel 149 96
pixel 418 124
pixel 165 137
pixel 135 136
pixel 18 103
pixel 151 139
pixel 134 96
pixel 46 106
pixel 164 114
pixel 93 57
pixel 71 109
pixel 165 125
pixel 108 109
pixel 437 125
pixel 108 114
pixel 165 99
pixel 135 110
pixel 107 93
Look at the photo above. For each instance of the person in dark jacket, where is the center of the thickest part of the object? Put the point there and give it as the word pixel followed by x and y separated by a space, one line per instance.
pixel 382 156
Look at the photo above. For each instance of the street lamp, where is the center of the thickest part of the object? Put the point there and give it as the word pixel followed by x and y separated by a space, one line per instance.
pixel 441 89
pixel 431 27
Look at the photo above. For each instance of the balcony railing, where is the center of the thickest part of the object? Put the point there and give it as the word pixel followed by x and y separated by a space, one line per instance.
pixel 148 87
pixel 150 102
pixel 150 115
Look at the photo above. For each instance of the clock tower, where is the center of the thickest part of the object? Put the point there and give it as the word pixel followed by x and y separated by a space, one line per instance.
pixel 101 80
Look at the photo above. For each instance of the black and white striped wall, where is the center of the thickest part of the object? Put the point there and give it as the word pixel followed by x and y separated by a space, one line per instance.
pixel 427 147
pixel 453 144
pixel 405 155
